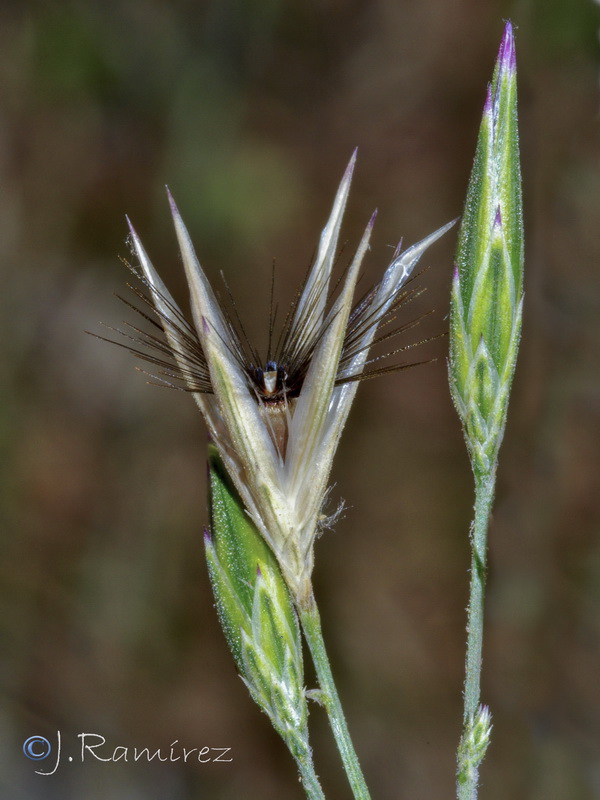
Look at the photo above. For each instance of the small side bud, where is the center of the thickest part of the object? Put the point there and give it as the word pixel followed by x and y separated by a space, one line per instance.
pixel 473 746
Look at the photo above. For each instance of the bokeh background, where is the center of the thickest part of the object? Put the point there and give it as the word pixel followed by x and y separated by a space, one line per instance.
pixel 249 110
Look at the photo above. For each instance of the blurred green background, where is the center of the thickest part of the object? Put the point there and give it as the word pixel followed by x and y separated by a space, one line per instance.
pixel 250 110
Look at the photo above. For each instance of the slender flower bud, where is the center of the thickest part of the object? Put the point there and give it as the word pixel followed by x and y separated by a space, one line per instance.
pixel 487 289
pixel 256 612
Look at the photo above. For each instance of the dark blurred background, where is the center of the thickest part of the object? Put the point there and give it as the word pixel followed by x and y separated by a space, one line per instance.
pixel 250 110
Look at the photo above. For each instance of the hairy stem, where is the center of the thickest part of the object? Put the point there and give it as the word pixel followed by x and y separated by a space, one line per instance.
pixel 469 757
pixel 309 778
pixel 311 624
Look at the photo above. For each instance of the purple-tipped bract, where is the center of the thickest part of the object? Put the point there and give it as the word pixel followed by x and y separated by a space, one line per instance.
pixel 507 56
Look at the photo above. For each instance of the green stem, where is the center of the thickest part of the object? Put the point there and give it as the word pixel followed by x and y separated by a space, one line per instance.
pixel 484 496
pixel 468 761
pixel 311 624
pixel 309 778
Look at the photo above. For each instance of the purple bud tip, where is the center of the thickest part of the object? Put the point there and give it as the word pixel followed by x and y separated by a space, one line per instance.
pixel 398 249
pixel 207 536
pixel 498 218
pixel 372 220
pixel 455 276
pixel 205 326
pixel 487 107
pixel 258 571
pixel 507 57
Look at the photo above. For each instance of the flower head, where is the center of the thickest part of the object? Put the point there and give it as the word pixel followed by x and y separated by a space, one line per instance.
pixel 277 423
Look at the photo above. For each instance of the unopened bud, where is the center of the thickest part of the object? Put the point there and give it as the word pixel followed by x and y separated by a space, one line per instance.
pixel 487 290
pixel 255 611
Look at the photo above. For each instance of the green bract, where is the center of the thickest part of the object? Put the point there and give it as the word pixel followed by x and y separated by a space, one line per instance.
pixel 255 611
pixel 487 292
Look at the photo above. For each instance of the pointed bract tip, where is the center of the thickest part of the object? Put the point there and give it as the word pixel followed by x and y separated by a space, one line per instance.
pixel 207 536
pixel 507 36
pixel 351 165
pixel 507 57
pixel 372 220
pixel 134 241
pixel 172 203
pixel 131 228
pixel 455 275
pixel 205 326
pixel 258 571
pixel 498 218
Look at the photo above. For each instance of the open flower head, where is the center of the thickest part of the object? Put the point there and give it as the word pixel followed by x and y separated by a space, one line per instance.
pixel 277 423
